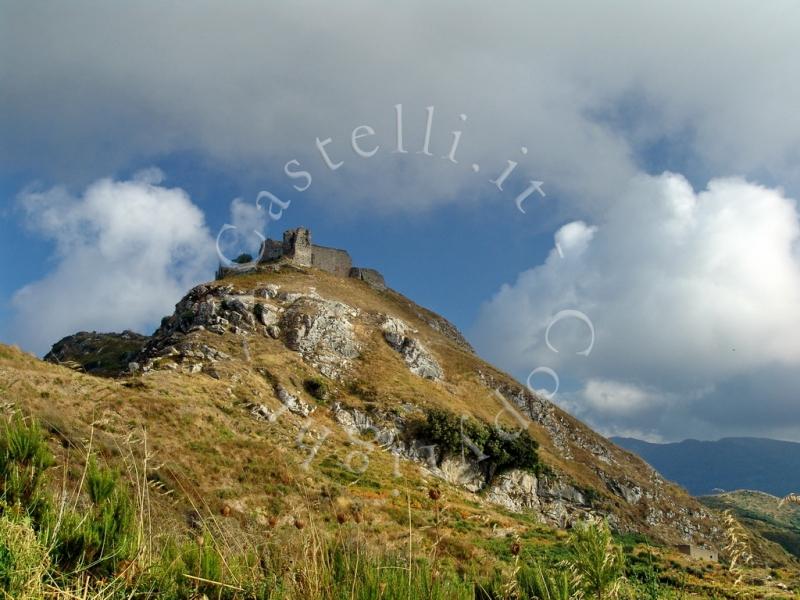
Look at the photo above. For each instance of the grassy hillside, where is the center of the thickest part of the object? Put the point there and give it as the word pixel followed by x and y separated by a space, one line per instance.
pixel 763 513
pixel 255 462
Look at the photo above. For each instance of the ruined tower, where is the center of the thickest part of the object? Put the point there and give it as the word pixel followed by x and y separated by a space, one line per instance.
pixel 297 246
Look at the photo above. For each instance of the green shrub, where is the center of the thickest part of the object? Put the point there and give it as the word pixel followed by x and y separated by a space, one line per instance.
pixel 100 483
pixel 351 571
pixel 496 449
pixel 24 460
pixel 243 259
pixel 202 561
pixel 545 583
pixel 317 388
pixel 197 569
pixel 101 537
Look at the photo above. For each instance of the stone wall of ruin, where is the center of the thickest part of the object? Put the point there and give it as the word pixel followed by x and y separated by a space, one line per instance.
pixel 332 260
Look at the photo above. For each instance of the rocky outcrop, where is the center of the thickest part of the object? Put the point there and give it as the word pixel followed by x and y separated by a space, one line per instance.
pixel 445 327
pixel 369 276
pixel 293 402
pixel 418 359
pixel 217 309
pixel 648 492
pixel 322 332
pixel 517 491
pixel 552 499
pixel 536 408
pixel 103 354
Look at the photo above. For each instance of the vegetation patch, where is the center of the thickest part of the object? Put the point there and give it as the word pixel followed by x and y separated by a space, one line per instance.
pixel 496 449
pixel 317 388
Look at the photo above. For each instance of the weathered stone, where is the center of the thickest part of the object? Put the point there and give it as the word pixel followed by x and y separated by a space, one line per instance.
pixel 418 359
pixel 369 276
pixel 268 291
pixel 261 412
pixel 555 489
pixel 297 246
pixel 515 490
pixel 293 403
pixel 462 473
pixel 266 315
pixel 321 331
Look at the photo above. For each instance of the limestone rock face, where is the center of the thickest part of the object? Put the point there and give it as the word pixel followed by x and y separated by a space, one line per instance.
pixel 322 332
pixel 266 314
pixel 516 490
pixel 217 309
pixel 293 403
pixel 464 473
pixel 418 359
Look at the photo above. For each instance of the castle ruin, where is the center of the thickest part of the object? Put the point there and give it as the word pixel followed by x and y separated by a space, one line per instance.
pixel 297 249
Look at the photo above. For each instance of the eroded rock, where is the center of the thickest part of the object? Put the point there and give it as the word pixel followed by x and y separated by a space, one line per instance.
pixel 323 333
pixel 516 490
pixel 418 359
pixel 293 403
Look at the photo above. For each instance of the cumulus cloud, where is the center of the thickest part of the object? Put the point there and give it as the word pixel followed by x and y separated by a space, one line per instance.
pixel 692 294
pixel 245 233
pixel 251 86
pixel 686 291
pixel 125 252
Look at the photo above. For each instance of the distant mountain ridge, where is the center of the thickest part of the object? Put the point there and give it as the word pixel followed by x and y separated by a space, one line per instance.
pixel 766 465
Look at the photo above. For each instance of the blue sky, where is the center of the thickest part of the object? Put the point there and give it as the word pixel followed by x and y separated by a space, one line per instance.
pixel 667 145
pixel 425 257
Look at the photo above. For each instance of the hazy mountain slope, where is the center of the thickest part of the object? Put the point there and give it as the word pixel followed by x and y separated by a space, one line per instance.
pixel 769 466
pixel 763 513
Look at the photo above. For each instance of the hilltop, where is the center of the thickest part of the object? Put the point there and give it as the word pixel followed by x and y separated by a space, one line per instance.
pixel 290 395
pixel 260 342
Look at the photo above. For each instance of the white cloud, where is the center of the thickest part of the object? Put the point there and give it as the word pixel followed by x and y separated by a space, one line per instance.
pixel 613 396
pixel 573 238
pixel 685 290
pixel 245 232
pixel 253 85
pixel 126 252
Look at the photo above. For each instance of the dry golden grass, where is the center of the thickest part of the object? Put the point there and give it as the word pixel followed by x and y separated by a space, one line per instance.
pixel 206 458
